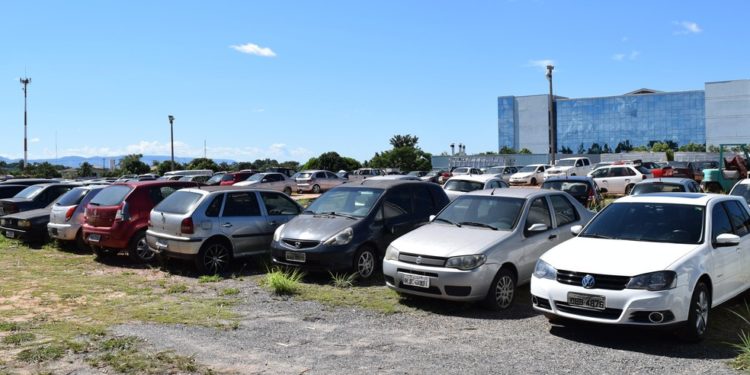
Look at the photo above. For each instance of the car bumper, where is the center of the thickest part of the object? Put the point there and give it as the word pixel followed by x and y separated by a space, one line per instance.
pixel 108 238
pixel 627 306
pixel 445 283
pixel 173 246
pixel 64 232
pixel 319 258
pixel 14 233
pixel 520 182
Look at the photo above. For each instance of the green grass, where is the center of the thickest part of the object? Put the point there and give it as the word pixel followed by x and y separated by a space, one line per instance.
pixel 343 280
pixel 177 288
pixel 377 297
pixel 42 353
pixel 122 355
pixel 210 279
pixel 284 282
pixel 230 292
pixel 18 338
pixel 9 326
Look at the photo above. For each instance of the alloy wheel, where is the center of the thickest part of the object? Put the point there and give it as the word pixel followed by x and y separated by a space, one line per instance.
pixel 701 313
pixel 216 258
pixel 504 290
pixel 143 251
pixel 365 264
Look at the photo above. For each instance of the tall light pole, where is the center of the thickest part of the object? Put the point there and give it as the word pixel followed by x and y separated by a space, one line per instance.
pixel 171 137
pixel 552 119
pixel 25 82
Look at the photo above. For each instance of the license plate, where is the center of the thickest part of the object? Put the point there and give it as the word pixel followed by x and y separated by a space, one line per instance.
pixel 161 244
pixel 296 256
pixel 94 237
pixel 415 280
pixel 10 234
pixel 587 301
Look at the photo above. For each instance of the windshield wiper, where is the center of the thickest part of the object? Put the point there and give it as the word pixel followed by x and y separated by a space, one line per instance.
pixel 475 224
pixel 308 212
pixel 447 221
pixel 595 235
pixel 334 213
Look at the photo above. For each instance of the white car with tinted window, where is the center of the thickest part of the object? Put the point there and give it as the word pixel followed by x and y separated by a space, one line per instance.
pixel 653 260
pixel 529 175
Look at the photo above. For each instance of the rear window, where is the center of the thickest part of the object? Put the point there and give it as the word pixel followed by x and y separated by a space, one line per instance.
pixel 72 197
pixel 179 202
pixel 227 177
pixel 111 196
pixel 30 192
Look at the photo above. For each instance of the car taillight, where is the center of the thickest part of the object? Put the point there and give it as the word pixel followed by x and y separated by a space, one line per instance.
pixel 186 227
pixel 591 194
pixel 69 213
pixel 123 213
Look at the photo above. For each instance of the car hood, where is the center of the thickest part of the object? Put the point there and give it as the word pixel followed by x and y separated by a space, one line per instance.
pixel 559 169
pixel 614 257
pixel 522 175
pixel 30 215
pixel 316 227
pixel 444 240
pixel 16 200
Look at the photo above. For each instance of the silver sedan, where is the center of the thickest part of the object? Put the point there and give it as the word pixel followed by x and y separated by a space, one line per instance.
pixel 270 181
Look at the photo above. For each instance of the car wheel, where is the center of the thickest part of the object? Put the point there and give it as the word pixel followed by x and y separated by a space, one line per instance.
pixel 288 191
pixel 502 291
pixel 138 249
pixel 628 189
pixel 214 258
pixel 533 181
pixel 697 324
pixel 80 244
pixel 365 262
pixel 102 254
pixel 316 189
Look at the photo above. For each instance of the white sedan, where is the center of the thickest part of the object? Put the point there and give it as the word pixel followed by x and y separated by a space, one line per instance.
pixel 649 260
pixel 529 175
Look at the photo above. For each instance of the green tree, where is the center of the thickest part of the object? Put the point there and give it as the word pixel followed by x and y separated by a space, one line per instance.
pixel 398 141
pixel 606 149
pixel 85 170
pixel 43 170
pixel 132 164
pixel 693 147
pixel 594 149
pixel 507 150
pixel 525 151
pixel 660 147
pixel 581 149
pixel 624 147
pixel 203 163
pixel 331 161
pixel 166 166
pixel 405 155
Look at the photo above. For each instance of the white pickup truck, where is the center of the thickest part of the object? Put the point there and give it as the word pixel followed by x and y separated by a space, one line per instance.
pixel 569 167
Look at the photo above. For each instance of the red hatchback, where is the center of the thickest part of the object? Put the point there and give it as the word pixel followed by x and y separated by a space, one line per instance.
pixel 117 218
pixel 235 177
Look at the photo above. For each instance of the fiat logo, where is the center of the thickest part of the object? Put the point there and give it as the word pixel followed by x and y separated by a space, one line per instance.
pixel 419 260
pixel 588 282
pixel 297 244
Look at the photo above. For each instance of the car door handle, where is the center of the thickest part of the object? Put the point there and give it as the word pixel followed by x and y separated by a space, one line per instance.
pixel 272 223
pixel 227 225
pixel 552 236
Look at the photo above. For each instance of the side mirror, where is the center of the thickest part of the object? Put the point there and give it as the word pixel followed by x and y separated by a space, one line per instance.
pixel 576 229
pixel 727 239
pixel 432 218
pixel 264 180
pixel 538 227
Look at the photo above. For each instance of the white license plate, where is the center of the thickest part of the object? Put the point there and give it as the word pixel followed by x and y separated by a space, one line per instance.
pixel 10 234
pixel 295 256
pixel 587 300
pixel 415 280
pixel 95 237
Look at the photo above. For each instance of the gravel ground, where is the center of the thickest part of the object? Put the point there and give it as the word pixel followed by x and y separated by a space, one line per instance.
pixel 287 336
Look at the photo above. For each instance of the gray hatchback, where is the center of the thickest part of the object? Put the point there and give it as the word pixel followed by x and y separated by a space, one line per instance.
pixel 214 225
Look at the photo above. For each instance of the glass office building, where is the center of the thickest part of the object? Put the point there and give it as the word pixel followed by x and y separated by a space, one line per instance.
pixel 718 114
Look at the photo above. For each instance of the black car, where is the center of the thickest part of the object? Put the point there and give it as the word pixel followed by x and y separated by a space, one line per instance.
pixel 582 188
pixel 28 226
pixel 33 197
pixel 27 181
pixel 7 191
pixel 349 227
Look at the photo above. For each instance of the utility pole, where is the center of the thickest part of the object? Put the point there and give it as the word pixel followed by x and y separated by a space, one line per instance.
pixel 552 119
pixel 204 149
pixel 171 136
pixel 25 82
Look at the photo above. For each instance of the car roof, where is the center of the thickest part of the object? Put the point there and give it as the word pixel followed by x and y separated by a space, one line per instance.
pixel 524 193
pixel 744 182
pixel 671 180
pixel 152 182
pixel 569 178
pixel 697 199
pixel 219 188
pixel 475 177
pixel 535 165
pixel 382 184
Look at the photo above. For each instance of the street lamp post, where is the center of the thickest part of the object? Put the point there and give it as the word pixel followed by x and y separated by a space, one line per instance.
pixel 552 119
pixel 25 82
pixel 171 137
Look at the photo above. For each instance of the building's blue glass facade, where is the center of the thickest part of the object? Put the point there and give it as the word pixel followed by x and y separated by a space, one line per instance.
pixel 639 119
pixel 506 109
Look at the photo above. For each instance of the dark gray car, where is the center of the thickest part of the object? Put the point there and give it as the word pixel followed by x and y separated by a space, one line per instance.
pixel 350 227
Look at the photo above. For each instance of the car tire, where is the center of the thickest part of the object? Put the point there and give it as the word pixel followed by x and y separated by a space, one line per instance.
pixel 214 258
pixel 80 244
pixel 628 189
pixel 138 249
pixel 102 254
pixel 533 181
pixel 316 189
pixel 502 291
pixel 365 262
pixel 288 191
pixel 697 324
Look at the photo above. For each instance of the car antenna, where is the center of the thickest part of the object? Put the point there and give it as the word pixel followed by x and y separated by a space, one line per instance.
pixel 493 191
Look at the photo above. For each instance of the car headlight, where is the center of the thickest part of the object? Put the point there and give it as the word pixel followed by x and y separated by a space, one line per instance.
pixel 543 270
pixel 277 233
pixel 341 238
pixel 660 280
pixel 466 262
pixel 391 253
pixel 3 222
pixel 24 224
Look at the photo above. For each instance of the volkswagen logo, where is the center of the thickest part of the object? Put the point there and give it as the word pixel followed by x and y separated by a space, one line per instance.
pixel 297 244
pixel 418 260
pixel 588 282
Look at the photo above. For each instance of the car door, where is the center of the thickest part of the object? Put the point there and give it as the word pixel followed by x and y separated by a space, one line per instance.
pixel 534 244
pixel 243 223
pixel 397 214
pixel 740 220
pixel 279 209
pixel 601 177
pixel 725 259
pixel 566 215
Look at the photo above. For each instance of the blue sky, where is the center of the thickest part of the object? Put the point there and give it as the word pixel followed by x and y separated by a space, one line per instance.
pixel 290 80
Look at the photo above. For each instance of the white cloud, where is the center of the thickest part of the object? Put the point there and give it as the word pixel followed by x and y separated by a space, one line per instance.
pixel 618 56
pixel 541 64
pixel 624 39
pixel 254 49
pixel 687 27
pixel 629 56
pixel 34 140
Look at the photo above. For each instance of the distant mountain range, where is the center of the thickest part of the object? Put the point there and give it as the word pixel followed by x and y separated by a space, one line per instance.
pixel 99 161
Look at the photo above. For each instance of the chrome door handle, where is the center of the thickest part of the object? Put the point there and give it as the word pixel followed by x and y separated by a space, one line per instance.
pixel 272 223
pixel 227 225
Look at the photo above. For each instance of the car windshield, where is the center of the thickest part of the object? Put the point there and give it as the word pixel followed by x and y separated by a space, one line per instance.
pixel 741 190
pixel 414 173
pixel 434 173
pixel 214 180
pixel 111 196
pixel 346 202
pixel 30 192
pixel 256 177
pixel 483 211
pixel 179 202
pixel 461 170
pixel 227 177
pixel 575 188
pixel 463 186
pixel 651 222
pixel 529 168
pixel 566 163
pixel 304 175
pixel 495 170
pixel 72 197
pixel 657 187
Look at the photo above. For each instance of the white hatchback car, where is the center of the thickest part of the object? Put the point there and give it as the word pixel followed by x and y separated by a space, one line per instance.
pixel 460 185
pixel 529 175
pixel 659 259
pixel 619 179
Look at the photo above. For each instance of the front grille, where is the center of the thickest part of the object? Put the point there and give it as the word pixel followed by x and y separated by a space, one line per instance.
pixel 404 270
pixel 457 291
pixel 422 260
pixel 608 313
pixel 601 281
pixel 300 244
